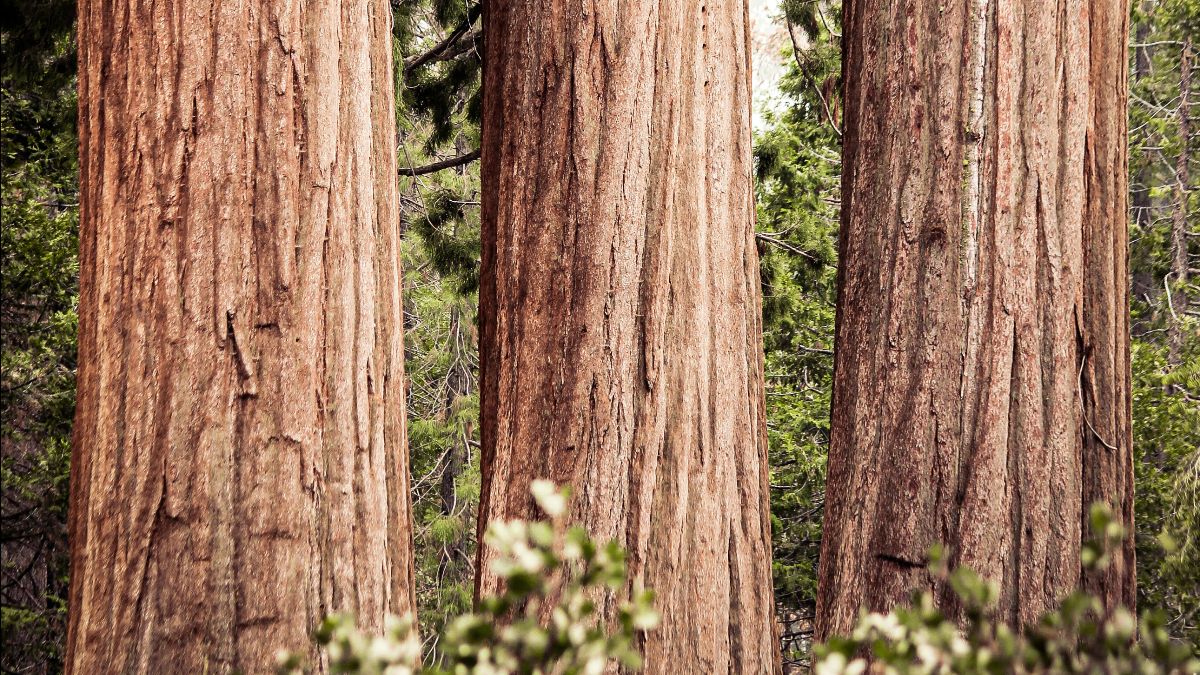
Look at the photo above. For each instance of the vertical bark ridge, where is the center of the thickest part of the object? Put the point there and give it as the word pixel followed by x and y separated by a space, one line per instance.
pixel 240 446
pixel 620 341
pixel 1105 380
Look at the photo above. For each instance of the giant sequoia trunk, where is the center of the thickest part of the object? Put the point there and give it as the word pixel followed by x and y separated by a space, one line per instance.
pixel 621 343
pixel 240 466
pixel 981 390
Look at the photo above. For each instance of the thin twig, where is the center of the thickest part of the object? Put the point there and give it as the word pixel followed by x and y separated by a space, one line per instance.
pixel 784 245
pixel 1083 408
pixel 796 57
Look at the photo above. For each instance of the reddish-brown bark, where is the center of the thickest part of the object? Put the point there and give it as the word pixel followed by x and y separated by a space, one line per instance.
pixel 621 346
pixel 240 467
pixel 981 389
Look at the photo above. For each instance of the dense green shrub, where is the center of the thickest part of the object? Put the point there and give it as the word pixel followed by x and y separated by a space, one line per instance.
pixel 542 562
pixel 547 560
pixel 1077 637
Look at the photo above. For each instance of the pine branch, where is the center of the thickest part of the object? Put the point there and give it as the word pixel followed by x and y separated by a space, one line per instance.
pixel 816 89
pixel 445 49
pixel 438 166
pixel 762 236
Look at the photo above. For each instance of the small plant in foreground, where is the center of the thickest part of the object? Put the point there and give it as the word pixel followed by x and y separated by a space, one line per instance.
pixel 509 634
pixel 1077 637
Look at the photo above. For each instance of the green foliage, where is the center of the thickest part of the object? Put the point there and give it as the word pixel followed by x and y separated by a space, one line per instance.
pixel 1155 145
pixel 438 72
pixel 544 622
pixel 1166 381
pixel 798 166
pixel 38 290
pixel 438 118
pixel 1077 637
pixel 36 49
pixel 443 414
pixel 1166 431
pixel 453 256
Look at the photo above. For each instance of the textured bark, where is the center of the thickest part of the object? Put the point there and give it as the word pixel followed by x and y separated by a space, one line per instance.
pixel 240 467
pixel 1179 218
pixel 981 389
pixel 621 340
pixel 1105 380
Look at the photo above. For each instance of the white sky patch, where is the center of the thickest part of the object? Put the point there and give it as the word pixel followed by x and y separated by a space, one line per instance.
pixel 768 37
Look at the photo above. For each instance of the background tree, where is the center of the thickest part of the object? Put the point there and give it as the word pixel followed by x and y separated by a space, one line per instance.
pixel 39 217
pixel 438 45
pixel 240 467
pixel 1166 340
pixel 620 311
pixel 798 165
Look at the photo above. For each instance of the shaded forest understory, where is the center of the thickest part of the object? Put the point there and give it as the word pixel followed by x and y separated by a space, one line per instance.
pixel 797 165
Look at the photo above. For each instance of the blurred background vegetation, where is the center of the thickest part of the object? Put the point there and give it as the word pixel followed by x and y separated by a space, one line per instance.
pixel 797 160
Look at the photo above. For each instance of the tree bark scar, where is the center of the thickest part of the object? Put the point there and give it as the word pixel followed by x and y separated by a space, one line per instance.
pixel 244 369
pixel 901 561
pixel 973 134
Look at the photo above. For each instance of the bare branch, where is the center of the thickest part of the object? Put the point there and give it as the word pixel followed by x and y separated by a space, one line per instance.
pixel 446 49
pixel 438 166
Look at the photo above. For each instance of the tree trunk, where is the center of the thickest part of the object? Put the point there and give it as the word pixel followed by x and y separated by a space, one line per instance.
pixel 621 340
pixel 240 467
pixel 1143 282
pixel 1178 280
pixel 982 337
pixel 458 388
